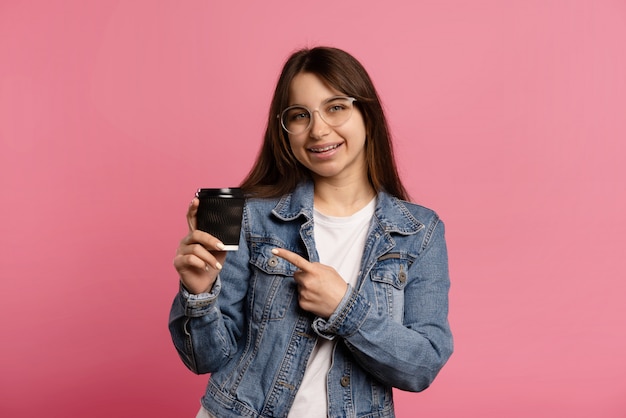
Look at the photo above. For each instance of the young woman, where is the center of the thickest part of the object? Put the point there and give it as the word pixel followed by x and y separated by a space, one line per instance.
pixel 339 290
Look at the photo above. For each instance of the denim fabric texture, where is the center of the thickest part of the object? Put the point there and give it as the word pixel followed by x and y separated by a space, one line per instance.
pixel 249 332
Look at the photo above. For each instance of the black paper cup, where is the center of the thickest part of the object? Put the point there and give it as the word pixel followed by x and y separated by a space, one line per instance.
pixel 220 213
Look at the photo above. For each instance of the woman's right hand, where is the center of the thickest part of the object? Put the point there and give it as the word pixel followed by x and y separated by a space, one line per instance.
pixel 199 256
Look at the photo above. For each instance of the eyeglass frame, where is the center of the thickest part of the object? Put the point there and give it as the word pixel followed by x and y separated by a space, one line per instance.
pixel 310 124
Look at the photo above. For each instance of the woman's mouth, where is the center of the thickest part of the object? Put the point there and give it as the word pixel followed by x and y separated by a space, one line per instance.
pixel 324 149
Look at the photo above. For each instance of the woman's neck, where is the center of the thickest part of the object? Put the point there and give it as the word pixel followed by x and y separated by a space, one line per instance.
pixel 342 199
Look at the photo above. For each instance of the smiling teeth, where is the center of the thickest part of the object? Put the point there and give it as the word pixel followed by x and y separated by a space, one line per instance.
pixel 328 148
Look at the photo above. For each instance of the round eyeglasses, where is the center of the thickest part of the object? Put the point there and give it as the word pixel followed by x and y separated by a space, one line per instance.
pixel 334 111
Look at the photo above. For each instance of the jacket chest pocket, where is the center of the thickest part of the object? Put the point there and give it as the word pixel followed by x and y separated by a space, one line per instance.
pixel 272 285
pixel 389 278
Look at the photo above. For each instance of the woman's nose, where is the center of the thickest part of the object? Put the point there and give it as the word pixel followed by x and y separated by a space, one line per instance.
pixel 319 127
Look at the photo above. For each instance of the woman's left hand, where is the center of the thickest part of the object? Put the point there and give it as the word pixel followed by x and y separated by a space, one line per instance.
pixel 320 287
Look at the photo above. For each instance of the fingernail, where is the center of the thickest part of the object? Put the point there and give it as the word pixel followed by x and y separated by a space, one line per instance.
pixel 218 266
pixel 220 246
pixel 206 267
pixel 274 251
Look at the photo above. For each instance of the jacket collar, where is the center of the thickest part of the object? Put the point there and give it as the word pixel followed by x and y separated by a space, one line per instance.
pixel 391 213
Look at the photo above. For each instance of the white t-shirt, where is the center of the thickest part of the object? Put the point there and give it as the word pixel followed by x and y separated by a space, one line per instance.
pixel 340 242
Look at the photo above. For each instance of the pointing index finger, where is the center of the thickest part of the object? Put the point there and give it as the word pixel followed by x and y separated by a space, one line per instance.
pixel 298 261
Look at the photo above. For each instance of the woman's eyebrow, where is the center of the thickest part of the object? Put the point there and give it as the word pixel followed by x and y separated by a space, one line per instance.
pixel 335 96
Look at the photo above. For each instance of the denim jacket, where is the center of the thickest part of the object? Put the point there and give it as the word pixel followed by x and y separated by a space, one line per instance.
pixel 250 334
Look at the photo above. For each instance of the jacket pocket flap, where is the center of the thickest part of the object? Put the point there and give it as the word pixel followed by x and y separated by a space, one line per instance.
pixel 261 257
pixel 392 270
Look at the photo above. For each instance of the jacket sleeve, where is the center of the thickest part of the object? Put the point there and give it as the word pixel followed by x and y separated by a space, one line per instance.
pixel 406 355
pixel 205 328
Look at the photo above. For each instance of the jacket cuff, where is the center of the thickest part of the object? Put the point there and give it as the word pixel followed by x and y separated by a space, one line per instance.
pixel 347 318
pixel 202 303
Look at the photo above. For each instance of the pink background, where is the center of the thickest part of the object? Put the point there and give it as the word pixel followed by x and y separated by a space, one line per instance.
pixel 509 119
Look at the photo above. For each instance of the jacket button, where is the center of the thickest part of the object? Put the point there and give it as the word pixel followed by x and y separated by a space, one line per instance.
pixel 273 262
pixel 402 277
pixel 345 381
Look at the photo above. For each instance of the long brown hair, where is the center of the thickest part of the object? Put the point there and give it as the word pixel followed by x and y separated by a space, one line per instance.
pixel 277 171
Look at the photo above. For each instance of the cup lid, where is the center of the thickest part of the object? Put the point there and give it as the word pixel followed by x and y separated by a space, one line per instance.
pixel 225 192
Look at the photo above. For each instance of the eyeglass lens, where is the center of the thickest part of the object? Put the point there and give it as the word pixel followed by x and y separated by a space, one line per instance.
pixel 336 111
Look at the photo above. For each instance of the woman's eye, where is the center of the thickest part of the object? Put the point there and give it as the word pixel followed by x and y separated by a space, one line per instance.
pixel 297 116
pixel 336 106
